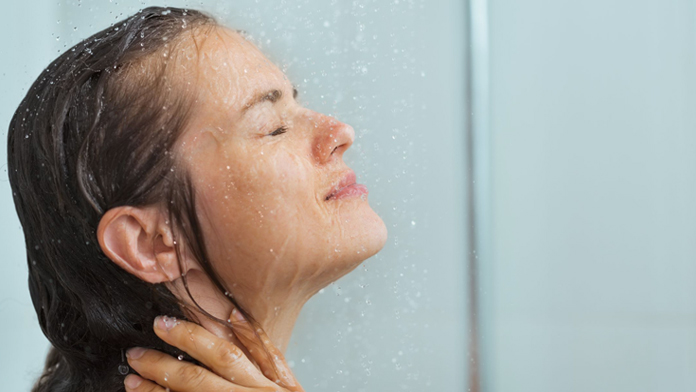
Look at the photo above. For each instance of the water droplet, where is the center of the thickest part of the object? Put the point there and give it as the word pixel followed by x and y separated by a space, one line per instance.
pixel 180 357
pixel 123 369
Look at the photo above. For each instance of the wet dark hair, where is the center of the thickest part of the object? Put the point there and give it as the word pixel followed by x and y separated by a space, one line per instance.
pixel 95 131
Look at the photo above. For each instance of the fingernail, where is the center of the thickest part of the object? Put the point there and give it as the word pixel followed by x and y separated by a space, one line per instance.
pixel 165 323
pixel 135 352
pixel 237 315
pixel 132 381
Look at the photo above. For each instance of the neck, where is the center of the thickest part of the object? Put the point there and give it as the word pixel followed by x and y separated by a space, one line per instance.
pixel 277 318
pixel 276 314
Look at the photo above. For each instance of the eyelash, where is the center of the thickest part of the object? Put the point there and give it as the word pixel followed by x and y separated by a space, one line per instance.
pixel 278 131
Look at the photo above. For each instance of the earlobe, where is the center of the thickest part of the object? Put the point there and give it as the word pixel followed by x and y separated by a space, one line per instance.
pixel 136 240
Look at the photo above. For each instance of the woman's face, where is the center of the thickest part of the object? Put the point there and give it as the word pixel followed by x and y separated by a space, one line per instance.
pixel 264 169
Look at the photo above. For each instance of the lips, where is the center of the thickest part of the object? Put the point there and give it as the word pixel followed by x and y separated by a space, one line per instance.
pixel 347 186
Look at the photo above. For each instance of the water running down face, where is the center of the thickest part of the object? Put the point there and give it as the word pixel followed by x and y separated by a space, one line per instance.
pixel 280 209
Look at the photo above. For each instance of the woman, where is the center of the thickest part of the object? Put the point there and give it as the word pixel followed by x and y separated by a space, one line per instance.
pixel 164 167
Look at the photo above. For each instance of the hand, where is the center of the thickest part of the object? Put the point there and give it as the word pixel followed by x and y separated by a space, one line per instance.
pixel 230 370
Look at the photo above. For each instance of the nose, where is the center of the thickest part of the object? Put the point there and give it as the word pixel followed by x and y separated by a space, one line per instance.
pixel 332 138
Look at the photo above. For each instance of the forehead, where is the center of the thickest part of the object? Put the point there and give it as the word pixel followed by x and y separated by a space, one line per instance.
pixel 229 69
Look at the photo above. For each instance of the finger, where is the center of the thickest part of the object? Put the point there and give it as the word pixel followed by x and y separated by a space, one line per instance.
pixel 269 358
pixel 177 375
pixel 222 357
pixel 284 374
pixel 134 383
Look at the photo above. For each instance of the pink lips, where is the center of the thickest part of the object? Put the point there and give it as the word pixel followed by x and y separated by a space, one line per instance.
pixel 347 187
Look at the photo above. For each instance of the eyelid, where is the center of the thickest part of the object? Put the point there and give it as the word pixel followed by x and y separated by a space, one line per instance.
pixel 282 130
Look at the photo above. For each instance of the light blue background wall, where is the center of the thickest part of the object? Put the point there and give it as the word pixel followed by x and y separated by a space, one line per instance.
pixel 392 69
pixel 592 286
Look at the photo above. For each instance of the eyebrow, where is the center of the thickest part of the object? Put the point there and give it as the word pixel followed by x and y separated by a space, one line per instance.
pixel 272 96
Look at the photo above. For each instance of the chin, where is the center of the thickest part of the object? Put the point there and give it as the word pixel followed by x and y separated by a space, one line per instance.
pixel 365 235
pixel 376 237
pixel 358 234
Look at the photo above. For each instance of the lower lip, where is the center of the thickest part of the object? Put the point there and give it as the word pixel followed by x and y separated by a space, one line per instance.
pixel 349 191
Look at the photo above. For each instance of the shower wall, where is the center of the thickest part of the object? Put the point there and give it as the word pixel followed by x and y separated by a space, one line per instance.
pixel 592 283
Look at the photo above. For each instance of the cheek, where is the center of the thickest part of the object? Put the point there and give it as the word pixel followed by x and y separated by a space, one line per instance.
pixel 291 175
pixel 261 189
pixel 285 190
pixel 254 200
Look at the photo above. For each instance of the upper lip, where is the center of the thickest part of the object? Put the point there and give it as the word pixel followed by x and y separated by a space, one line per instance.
pixel 347 179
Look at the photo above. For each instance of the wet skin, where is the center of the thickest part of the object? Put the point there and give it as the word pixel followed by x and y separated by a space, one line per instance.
pixel 262 174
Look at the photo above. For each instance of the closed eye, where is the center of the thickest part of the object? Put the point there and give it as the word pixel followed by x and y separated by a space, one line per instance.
pixel 279 131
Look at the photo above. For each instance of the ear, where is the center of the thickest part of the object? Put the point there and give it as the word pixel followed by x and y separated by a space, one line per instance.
pixel 139 240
